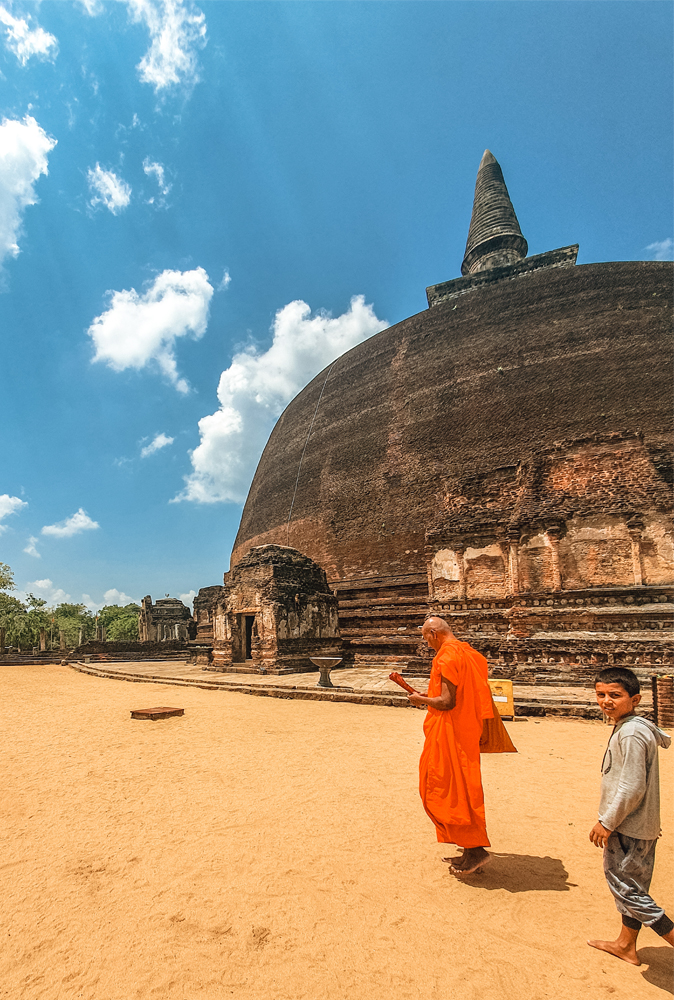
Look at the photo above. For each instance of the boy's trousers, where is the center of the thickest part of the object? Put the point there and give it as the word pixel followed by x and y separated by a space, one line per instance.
pixel 628 867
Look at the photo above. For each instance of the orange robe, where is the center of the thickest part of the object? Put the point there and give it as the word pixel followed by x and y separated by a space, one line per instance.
pixel 450 783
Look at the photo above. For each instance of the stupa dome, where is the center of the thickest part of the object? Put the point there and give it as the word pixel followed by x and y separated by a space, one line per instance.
pixel 513 438
pixel 546 396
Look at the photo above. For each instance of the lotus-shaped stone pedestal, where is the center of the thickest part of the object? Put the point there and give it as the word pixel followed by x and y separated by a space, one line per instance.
pixel 325 665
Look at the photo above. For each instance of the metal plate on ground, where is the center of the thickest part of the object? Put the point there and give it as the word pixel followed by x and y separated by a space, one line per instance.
pixel 156 713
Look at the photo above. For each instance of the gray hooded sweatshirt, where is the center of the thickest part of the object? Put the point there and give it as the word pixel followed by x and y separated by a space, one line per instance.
pixel 630 779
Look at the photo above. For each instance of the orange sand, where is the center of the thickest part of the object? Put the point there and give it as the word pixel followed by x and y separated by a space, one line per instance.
pixel 277 850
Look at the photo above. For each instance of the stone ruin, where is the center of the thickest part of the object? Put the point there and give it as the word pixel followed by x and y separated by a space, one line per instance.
pixel 167 619
pixel 206 605
pixel 275 611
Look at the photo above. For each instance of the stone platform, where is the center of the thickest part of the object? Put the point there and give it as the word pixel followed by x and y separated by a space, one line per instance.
pixel 366 686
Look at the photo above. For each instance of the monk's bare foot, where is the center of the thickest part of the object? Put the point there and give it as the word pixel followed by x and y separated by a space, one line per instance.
pixel 453 861
pixel 472 860
pixel 627 952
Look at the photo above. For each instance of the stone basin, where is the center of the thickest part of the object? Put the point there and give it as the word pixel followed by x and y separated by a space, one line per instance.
pixel 325 665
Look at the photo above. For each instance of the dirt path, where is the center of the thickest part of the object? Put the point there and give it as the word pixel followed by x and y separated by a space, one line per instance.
pixel 276 850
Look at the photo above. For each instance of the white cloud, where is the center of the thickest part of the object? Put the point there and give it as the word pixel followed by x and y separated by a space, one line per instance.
pixel 256 388
pixel 48 592
pixel 159 441
pixel 114 596
pixel 74 525
pixel 140 329
pixel 188 598
pixel 156 170
pixel 661 249
pixel 92 7
pixel 24 41
pixel 225 281
pixel 108 189
pixel 177 30
pixel 24 148
pixel 9 505
pixel 31 547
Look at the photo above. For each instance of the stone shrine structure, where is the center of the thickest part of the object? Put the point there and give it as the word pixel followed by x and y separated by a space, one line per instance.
pixel 206 605
pixel 274 612
pixel 167 619
pixel 503 459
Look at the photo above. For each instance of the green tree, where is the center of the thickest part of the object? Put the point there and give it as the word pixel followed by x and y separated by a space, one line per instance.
pixel 12 612
pixel 71 619
pixel 121 624
pixel 22 621
pixel 6 577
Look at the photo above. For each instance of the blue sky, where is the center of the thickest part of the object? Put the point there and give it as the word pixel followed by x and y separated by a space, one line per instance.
pixel 202 205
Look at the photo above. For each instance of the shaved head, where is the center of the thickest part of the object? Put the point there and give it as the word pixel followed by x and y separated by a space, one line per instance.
pixel 435 631
pixel 437 624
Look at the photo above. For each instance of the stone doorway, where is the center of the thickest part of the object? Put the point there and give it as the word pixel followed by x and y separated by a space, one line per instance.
pixel 248 635
pixel 242 640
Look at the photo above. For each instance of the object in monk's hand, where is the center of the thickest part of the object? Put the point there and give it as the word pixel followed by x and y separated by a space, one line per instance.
pixel 156 713
pixel 399 679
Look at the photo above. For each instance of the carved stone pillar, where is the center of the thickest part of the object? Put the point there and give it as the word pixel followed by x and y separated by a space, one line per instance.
pixel 552 534
pixel 460 549
pixel 635 527
pixel 513 563
pixel 43 640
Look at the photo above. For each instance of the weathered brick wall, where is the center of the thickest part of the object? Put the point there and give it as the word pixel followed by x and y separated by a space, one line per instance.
pixel 205 610
pixel 606 500
pixel 292 613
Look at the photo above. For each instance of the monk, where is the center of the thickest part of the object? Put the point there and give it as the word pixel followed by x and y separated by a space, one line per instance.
pixel 450 783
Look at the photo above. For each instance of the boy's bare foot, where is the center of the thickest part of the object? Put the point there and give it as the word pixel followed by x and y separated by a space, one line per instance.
pixel 472 859
pixel 625 950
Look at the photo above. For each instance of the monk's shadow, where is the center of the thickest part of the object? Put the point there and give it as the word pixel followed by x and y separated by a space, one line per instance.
pixel 522 873
pixel 660 971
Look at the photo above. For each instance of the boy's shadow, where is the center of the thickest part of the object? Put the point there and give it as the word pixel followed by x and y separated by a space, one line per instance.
pixel 660 971
pixel 522 873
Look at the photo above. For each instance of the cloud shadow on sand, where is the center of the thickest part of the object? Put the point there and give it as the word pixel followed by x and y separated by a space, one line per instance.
pixel 522 873
pixel 660 971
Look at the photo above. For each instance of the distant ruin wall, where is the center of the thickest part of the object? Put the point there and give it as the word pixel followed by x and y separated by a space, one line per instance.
pixel 133 649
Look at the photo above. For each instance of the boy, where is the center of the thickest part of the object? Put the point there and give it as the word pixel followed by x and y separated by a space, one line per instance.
pixel 629 812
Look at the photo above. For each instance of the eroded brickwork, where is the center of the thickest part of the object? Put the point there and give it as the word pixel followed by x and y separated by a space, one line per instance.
pixel 207 605
pixel 583 514
pixel 275 612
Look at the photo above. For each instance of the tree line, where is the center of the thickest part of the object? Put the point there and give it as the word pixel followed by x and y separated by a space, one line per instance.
pixel 23 621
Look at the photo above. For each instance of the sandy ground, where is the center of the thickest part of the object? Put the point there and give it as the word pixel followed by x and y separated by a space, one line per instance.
pixel 277 850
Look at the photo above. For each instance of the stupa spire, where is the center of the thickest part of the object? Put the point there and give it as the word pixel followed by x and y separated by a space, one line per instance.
pixel 494 238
